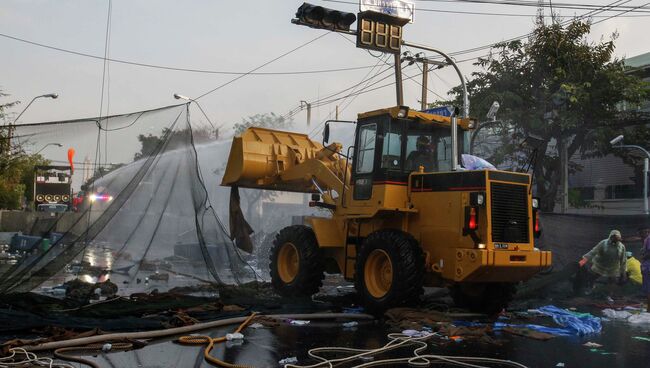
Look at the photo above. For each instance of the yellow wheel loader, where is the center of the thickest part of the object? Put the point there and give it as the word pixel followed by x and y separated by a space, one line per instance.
pixel 403 213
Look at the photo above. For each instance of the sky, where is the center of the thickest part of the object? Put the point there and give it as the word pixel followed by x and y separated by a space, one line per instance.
pixel 236 36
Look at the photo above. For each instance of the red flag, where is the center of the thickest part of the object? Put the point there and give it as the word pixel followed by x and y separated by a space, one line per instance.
pixel 70 157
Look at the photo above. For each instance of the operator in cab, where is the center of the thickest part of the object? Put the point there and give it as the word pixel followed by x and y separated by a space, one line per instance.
pixel 423 155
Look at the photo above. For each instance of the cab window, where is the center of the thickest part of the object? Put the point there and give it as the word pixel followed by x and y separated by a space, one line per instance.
pixel 391 155
pixel 366 158
pixel 429 148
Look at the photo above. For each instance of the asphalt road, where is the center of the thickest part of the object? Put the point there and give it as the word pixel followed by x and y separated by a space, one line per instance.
pixel 264 347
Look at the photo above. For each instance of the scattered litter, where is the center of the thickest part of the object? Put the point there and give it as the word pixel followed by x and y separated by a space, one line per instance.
pixel 350 324
pixel 641 338
pixel 234 336
pixel 456 338
pixel 614 314
pixel 289 360
pixel 353 310
pixel 640 318
pixel 233 343
pixel 560 364
pixel 107 347
pixel 601 352
pixel 592 345
pixel 298 322
pixel 643 317
pixel 255 325
pixel 415 333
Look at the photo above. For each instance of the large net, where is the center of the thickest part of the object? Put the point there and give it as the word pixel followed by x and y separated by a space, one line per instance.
pixel 147 209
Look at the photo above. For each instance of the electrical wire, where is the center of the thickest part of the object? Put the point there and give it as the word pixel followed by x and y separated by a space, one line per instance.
pixel 446 11
pixel 180 69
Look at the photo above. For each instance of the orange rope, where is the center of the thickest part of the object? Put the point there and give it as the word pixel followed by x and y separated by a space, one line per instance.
pixel 202 339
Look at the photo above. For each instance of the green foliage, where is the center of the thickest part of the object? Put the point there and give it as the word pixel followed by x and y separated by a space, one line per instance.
pixel 557 85
pixel 178 138
pixel 17 179
pixel 16 167
pixel 269 120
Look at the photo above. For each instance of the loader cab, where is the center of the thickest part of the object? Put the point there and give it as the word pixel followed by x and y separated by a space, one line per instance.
pixel 389 147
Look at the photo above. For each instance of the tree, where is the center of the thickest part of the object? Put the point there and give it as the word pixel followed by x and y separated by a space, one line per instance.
pixel 561 88
pixel 269 120
pixel 16 167
pixel 178 138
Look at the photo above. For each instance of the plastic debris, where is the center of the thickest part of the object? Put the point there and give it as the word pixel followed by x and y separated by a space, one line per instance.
pixel 350 324
pixel 592 345
pixel 256 325
pixel 456 338
pixel 601 352
pixel 643 317
pixel 642 338
pixel 234 336
pixel 353 310
pixel 560 364
pixel 289 360
pixel 614 314
pixel 415 333
pixel 233 343
pixel 578 323
pixel 298 322
pixel 107 347
pixel 639 318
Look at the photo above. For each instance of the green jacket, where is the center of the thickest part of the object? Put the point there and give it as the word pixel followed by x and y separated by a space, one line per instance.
pixel 608 259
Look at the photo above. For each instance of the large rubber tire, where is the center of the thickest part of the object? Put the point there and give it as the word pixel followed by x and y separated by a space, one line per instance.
pixel 389 271
pixel 297 267
pixel 489 298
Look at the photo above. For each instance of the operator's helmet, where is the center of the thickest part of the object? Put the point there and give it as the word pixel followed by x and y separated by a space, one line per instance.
pixel 422 142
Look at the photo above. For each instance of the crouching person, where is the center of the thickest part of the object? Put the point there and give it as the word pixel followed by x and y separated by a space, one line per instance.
pixel 608 261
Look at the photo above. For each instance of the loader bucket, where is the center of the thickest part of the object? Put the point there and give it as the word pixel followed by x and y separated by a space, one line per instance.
pixel 259 155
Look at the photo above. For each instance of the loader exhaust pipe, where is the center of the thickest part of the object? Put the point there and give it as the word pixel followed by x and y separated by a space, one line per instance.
pixel 454 141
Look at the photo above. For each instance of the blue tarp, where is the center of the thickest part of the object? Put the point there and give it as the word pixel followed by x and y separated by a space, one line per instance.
pixel 579 323
pixel 572 323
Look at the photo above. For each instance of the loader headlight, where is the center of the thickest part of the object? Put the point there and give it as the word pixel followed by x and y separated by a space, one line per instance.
pixel 535 202
pixel 481 246
pixel 403 112
pixel 477 199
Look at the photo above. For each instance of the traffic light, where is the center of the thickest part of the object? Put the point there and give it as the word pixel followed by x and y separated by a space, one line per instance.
pixel 319 17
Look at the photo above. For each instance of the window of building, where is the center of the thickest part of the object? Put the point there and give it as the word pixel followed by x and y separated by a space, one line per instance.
pixel 621 192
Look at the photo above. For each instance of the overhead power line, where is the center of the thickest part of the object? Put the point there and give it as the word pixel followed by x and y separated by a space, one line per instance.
pixel 449 11
pixel 180 69
pixel 536 4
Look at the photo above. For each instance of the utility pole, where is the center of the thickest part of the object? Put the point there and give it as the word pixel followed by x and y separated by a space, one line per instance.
pixel 425 79
pixel 398 79
pixel 337 112
pixel 564 173
pixel 308 106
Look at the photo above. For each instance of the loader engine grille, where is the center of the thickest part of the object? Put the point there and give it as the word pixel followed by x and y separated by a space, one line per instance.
pixel 509 213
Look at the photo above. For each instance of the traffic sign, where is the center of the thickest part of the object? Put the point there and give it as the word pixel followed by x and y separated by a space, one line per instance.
pixel 396 8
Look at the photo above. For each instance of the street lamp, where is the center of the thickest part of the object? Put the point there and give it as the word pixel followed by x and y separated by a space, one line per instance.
pixel 53 96
pixel 617 143
pixel 181 97
pixel 49 144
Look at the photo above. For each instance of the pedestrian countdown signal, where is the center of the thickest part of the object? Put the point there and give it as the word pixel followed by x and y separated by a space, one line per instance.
pixel 380 32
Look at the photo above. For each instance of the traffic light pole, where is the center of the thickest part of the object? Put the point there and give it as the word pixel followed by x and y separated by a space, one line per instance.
pixel 452 63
